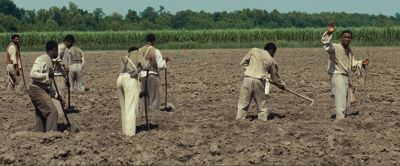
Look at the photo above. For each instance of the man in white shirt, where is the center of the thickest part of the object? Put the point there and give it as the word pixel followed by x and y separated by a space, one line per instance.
pixel 41 89
pixel 341 65
pixel 150 79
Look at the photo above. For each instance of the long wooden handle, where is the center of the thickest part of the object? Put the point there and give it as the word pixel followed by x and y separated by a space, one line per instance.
pixel 302 96
pixel 22 73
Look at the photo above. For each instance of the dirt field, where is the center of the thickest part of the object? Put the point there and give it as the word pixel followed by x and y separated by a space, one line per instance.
pixel 202 130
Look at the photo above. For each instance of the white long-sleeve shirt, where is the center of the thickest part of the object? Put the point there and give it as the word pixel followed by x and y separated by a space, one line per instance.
pixel 339 61
pixel 40 72
pixel 64 56
pixel 161 63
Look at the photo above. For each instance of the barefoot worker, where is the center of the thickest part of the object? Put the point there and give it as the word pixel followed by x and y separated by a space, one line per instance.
pixel 156 61
pixel 341 64
pixel 128 88
pixel 76 67
pixel 13 61
pixel 261 69
pixel 39 91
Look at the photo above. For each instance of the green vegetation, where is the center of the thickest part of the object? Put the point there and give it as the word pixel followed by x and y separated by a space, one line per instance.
pixel 188 29
pixel 188 39
pixel 72 18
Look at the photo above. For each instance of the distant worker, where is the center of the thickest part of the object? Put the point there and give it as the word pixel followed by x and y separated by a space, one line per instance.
pixel 128 88
pixel 150 78
pixel 261 69
pixel 76 68
pixel 341 64
pixel 41 90
pixel 61 70
pixel 13 61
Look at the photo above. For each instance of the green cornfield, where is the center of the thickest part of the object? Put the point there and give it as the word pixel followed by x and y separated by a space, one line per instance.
pixel 190 39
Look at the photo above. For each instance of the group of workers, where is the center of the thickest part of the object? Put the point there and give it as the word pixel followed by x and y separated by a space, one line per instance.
pixel 138 83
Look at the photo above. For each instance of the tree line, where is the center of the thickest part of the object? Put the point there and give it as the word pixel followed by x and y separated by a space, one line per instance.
pixel 73 18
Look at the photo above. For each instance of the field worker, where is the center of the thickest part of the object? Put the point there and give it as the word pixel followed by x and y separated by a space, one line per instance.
pixel 341 64
pixel 260 67
pixel 13 61
pixel 61 70
pixel 128 88
pixel 41 88
pixel 76 67
pixel 156 61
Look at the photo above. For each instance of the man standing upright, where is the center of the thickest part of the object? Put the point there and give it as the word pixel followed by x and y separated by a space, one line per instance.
pixel 41 89
pixel 13 61
pixel 62 62
pixel 76 67
pixel 151 78
pixel 260 68
pixel 341 64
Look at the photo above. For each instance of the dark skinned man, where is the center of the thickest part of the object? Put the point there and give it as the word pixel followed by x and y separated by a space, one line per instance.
pixel 342 64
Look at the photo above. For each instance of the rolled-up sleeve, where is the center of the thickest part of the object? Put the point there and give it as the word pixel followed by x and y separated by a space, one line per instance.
pixel 274 74
pixel 161 63
pixel 327 43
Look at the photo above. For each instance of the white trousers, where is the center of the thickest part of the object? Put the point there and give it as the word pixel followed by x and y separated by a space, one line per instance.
pixel 340 89
pixel 76 77
pixel 128 94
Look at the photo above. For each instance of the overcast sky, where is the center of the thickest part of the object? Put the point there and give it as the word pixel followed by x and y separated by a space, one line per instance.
pixel 386 7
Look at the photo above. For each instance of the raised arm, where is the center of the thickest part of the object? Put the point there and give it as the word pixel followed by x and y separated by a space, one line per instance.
pixel 327 38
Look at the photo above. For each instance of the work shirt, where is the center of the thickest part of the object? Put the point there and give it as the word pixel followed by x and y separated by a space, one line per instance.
pixel 155 59
pixel 12 56
pixel 134 63
pixel 40 72
pixel 76 56
pixel 64 57
pixel 339 61
pixel 259 64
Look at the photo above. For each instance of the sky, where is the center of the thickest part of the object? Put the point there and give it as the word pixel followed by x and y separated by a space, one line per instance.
pixel 386 7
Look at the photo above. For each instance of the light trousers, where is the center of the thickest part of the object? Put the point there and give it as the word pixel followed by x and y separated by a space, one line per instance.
pixel 76 77
pixel 340 89
pixel 128 93
pixel 252 88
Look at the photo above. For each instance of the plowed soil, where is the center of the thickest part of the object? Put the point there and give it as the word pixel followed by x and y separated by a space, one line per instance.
pixel 204 87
